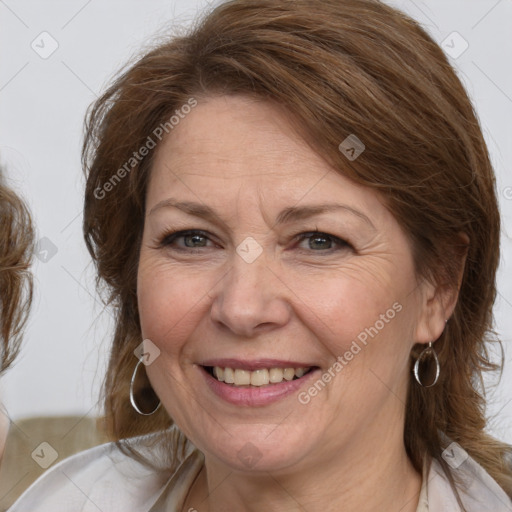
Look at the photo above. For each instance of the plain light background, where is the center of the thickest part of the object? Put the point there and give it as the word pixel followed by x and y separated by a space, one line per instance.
pixel 42 107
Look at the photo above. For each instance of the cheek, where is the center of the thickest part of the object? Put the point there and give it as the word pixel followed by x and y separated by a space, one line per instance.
pixel 169 302
pixel 364 320
pixel 364 330
pixel 345 304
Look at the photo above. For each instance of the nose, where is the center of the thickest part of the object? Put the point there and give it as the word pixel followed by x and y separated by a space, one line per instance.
pixel 250 299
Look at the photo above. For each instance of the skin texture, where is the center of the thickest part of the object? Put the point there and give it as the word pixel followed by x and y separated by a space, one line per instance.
pixel 301 300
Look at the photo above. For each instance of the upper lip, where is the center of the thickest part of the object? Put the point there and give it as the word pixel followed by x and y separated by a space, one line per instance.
pixel 254 364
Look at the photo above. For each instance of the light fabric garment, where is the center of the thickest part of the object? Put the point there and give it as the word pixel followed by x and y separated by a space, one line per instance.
pixel 67 435
pixel 104 479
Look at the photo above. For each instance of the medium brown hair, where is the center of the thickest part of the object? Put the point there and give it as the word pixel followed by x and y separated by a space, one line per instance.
pixel 338 68
pixel 16 285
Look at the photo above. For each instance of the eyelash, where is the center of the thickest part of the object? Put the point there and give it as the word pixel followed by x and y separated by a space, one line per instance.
pixel 169 238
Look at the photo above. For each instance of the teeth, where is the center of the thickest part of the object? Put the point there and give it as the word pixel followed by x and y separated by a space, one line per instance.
pixel 299 372
pixel 288 373
pixel 257 378
pixel 229 375
pixel 276 375
pixel 219 373
pixel 242 378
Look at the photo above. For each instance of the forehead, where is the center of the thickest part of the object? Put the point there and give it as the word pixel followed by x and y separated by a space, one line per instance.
pixel 233 134
pixel 238 147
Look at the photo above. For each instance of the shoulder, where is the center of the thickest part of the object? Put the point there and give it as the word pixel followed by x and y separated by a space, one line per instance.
pixel 478 491
pixel 108 478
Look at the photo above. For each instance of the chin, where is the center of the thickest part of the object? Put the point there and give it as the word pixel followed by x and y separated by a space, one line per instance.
pixel 260 448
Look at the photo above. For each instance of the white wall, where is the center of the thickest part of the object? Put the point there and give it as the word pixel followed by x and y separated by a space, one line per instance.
pixel 42 105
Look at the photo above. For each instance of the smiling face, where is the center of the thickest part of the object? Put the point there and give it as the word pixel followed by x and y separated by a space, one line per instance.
pixel 257 255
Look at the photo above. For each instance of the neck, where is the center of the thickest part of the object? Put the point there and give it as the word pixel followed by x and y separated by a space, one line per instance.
pixel 366 477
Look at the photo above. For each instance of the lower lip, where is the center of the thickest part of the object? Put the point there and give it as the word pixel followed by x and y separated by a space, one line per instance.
pixel 254 396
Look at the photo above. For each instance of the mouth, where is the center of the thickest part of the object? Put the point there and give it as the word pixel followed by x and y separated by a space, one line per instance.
pixel 239 377
pixel 256 383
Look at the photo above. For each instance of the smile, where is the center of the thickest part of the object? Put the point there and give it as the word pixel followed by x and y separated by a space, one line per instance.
pixel 256 383
pixel 258 378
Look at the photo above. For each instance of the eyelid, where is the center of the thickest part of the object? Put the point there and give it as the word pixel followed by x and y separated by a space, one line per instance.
pixel 171 236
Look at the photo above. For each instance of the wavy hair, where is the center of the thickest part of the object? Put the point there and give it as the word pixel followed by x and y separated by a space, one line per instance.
pixel 338 68
pixel 16 285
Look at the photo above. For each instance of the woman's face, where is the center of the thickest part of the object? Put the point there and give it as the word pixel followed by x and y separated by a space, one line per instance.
pixel 258 257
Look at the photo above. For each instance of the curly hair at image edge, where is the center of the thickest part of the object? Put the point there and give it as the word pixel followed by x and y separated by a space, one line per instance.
pixel 16 249
pixel 335 74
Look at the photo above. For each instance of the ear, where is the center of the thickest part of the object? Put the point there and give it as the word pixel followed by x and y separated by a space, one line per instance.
pixel 438 300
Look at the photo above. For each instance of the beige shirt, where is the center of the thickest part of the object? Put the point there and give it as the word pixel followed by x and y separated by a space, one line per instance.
pixel 106 479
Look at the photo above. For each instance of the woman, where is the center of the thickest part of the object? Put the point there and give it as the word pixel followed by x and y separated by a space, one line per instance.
pixel 16 247
pixel 293 210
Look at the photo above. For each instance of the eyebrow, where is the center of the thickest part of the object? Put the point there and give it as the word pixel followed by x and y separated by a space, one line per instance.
pixel 294 213
pixel 290 214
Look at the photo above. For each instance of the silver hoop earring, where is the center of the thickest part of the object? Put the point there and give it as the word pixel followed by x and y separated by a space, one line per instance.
pixel 132 397
pixel 427 352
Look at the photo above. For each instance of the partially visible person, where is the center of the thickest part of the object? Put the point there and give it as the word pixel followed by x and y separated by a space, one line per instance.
pixel 16 285
pixel 16 249
pixel 66 434
pixel 16 243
